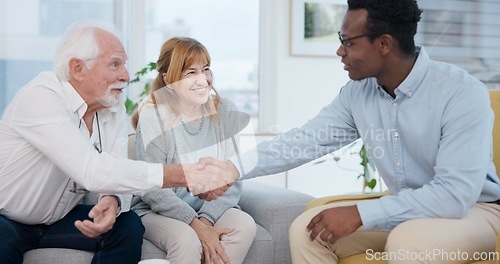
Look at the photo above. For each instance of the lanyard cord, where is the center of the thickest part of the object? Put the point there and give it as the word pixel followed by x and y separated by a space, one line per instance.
pixel 98 132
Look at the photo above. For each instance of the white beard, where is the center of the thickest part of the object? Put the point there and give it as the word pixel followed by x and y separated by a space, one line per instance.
pixel 109 100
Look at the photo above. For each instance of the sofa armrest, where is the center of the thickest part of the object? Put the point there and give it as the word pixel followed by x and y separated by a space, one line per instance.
pixel 272 206
pixel 274 209
pixel 345 198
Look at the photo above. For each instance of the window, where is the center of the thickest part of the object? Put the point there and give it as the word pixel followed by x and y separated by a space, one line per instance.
pixel 229 30
pixel 56 15
pixel 30 36
pixel 464 33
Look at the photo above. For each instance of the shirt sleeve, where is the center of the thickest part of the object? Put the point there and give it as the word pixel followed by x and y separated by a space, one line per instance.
pixel 53 130
pixel 213 210
pixel 166 202
pixel 331 129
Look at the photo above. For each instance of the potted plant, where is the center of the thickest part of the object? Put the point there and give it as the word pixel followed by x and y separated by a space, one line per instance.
pixel 131 104
pixel 368 168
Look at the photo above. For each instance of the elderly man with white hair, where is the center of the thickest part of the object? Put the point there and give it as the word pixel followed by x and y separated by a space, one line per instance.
pixel 65 134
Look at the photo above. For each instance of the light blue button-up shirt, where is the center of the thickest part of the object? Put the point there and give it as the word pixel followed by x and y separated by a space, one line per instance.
pixel 432 144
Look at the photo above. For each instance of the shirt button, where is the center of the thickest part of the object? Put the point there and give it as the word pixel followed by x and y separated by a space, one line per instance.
pixel 398 164
pixel 396 134
pixel 394 104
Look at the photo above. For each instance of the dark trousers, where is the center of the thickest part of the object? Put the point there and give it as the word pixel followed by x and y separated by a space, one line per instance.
pixel 122 244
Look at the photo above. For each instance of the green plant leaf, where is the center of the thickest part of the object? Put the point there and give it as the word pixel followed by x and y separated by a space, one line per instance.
pixel 371 184
pixel 152 66
pixel 130 106
pixel 366 163
pixel 136 79
pixel 146 89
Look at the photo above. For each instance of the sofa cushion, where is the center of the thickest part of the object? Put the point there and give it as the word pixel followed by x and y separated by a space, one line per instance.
pixel 57 256
pixel 73 256
pixel 262 248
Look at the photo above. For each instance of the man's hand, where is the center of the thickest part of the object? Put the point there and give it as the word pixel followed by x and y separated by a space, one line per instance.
pixel 212 195
pixel 104 216
pixel 210 240
pixel 334 223
pixel 210 174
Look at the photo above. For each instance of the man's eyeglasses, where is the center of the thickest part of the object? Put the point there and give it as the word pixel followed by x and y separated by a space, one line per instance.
pixel 346 41
pixel 75 188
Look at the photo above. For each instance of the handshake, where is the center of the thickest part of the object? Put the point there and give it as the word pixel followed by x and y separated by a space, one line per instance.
pixel 210 178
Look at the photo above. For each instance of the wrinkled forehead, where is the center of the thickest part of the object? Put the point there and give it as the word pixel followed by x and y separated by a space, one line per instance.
pixel 110 46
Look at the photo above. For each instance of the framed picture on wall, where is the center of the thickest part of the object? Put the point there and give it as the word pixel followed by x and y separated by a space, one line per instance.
pixel 314 25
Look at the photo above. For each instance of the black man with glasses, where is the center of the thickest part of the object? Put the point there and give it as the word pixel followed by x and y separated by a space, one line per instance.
pixel 428 127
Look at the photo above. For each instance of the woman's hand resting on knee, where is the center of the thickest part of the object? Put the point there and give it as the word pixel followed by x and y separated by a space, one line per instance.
pixel 209 236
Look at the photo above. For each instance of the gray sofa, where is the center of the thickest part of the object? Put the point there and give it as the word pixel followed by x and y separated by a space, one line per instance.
pixel 272 208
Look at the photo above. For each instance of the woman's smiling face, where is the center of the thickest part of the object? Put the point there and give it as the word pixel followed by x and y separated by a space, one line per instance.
pixel 193 89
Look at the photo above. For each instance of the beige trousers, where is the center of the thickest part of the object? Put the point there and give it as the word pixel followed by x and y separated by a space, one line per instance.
pixel 426 240
pixel 182 245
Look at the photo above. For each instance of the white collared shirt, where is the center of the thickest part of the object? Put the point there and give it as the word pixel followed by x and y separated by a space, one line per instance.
pixel 44 150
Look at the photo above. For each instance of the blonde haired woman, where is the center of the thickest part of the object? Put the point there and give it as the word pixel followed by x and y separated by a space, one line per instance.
pixel 182 120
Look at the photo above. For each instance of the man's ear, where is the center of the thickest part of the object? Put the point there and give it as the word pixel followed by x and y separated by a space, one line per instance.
pixel 386 43
pixel 76 69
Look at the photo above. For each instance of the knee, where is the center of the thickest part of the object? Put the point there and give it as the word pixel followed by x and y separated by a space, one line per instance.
pixel 406 236
pixel 7 232
pixel 132 223
pixel 186 240
pixel 247 227
pixel 14 241
pixel 241 222
pixel 5 226
pixel 297 231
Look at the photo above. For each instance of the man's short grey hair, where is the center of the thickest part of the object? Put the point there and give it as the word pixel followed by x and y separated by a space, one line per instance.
pixel 79 41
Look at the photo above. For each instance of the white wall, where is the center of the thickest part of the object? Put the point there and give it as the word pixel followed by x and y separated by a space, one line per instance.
pixel 302 84
pixel 294 89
